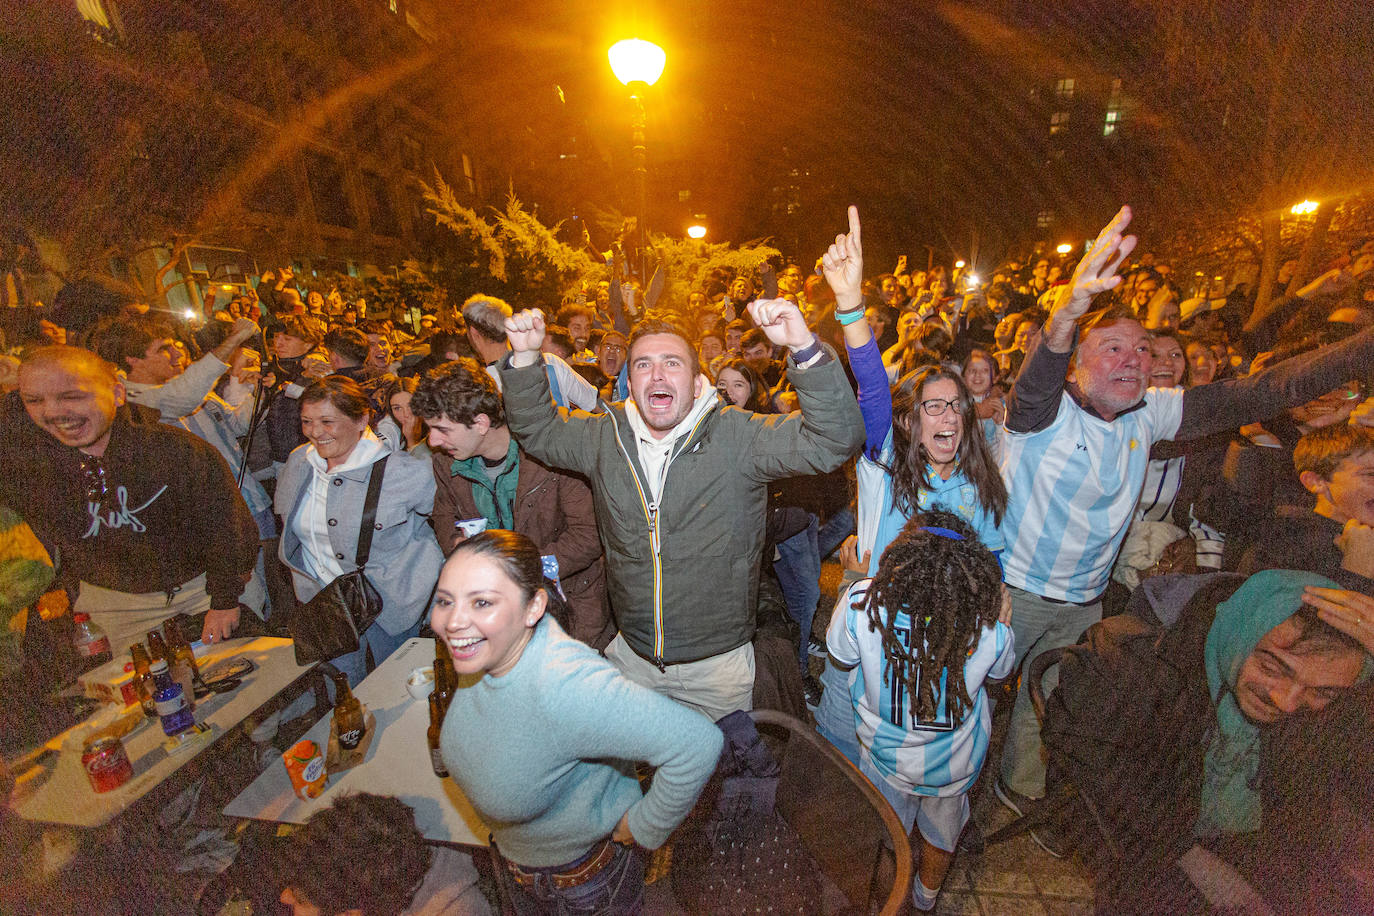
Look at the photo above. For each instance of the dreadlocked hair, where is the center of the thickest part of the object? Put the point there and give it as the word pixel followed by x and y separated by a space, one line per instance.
pixel 950 589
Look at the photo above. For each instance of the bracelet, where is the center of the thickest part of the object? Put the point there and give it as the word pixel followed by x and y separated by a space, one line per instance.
pixel 850 316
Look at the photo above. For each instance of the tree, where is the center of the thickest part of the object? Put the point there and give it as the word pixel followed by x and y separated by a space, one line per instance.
pixel 1265 103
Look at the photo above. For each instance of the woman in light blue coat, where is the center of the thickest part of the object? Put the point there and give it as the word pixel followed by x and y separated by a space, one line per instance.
pixel 320 496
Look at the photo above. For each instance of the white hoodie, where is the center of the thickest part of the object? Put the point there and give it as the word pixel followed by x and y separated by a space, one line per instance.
pixel 312 521
pixel 653 452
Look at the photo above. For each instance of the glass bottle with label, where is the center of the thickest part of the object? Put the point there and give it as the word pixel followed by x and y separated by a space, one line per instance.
pixel 436 727
pixel 350 723
pixel 143 680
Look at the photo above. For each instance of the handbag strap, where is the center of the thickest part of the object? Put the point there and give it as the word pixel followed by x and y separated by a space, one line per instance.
pixel 374 490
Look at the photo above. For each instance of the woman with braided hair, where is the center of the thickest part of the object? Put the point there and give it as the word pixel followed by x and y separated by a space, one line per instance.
pixel 924 634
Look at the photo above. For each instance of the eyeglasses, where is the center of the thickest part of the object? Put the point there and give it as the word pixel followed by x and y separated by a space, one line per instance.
pixel 936 407
pixel 94 471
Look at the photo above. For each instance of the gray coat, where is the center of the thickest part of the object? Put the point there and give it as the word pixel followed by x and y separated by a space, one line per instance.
pixel 405 558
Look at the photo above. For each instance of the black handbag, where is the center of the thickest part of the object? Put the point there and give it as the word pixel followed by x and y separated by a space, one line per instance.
pixel 331 623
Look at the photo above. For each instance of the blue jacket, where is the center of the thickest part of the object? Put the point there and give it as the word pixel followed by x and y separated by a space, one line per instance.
pixel 405 558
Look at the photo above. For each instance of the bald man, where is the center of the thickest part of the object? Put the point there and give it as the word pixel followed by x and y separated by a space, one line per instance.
pixel 146 517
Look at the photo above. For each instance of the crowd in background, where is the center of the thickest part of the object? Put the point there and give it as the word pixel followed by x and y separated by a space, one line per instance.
pixel 1062 448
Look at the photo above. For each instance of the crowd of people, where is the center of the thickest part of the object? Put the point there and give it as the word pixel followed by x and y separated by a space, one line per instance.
pixel 596 505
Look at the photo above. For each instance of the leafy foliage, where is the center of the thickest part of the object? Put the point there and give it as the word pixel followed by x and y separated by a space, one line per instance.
pixel 515 256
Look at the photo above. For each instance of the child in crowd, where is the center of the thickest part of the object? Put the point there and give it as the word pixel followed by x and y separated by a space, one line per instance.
pixel 926 632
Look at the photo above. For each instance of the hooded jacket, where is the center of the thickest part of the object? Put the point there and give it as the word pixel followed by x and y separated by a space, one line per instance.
pixel 170 512
pixel 682 568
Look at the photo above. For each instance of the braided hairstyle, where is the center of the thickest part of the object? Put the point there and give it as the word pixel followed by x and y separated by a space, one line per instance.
pixel 950 588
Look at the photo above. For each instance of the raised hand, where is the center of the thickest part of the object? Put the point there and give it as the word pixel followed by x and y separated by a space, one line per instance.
pixel 782 321
pixel 1356 544
pixel 1096 273
pixel 525 331
pixel 1350 612
pixel 843 263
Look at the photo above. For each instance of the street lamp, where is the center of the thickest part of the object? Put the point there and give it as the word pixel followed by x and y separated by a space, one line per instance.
pixel 696 232
pixel 638 64
pixel 1064 248
pixel 959 264
pixel 1304 208
pixel 637 61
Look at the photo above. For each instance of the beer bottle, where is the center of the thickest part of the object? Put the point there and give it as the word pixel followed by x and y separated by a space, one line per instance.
pixel 445 678
pixel 436 727
pixel 181 658
pixel 179 644
pixel 143 681
pixel 349 724
pixel 440 655
pixel 157 648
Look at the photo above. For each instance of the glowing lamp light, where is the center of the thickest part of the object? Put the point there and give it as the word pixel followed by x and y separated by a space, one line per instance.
pixel 697 232
pixel 959 264
pixel 973 280
pixel 189 314
pixel 1064 248
pixel 1304 208
pixel 227 287
pixel 637 61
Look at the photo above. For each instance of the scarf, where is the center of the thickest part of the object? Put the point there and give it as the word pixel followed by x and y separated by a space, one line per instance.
pixel 495 499
pixel 1230 800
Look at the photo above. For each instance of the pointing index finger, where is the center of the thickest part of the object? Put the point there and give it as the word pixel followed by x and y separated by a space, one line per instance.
pixel 854 232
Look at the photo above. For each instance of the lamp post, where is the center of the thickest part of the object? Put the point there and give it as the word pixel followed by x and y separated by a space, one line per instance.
pixel 638 64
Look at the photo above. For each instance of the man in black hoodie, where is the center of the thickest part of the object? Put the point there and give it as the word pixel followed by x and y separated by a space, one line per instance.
pixel 145 516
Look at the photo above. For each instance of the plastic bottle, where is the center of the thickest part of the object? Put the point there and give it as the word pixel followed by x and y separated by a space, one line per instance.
pixel 172 708
pixel 89 640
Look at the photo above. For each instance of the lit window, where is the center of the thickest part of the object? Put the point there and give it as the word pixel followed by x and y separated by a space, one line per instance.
pixel 1064 89
pixel 1109 126
pixel 1058 120
pixel 684 196
pixel 1044 219
pixel 1108 129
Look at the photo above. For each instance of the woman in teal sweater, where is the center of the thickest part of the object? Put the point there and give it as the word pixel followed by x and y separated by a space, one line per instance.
pixel 543 735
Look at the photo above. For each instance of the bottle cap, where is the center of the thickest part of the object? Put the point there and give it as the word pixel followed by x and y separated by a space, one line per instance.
pixel 158 666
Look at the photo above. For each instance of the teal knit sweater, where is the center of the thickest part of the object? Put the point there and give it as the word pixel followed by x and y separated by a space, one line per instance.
pixel 546 752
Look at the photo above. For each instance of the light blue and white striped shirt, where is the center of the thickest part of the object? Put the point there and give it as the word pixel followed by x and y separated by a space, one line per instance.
pixel 932 758
pixel 880 522
pixel 1073 489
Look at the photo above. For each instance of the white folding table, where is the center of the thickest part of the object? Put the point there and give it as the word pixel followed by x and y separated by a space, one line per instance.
pixel 397 762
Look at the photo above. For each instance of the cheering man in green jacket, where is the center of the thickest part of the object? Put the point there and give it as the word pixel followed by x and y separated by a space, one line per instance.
pixel 680 487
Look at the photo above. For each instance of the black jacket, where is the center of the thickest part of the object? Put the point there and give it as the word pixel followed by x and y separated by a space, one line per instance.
pixel 170 512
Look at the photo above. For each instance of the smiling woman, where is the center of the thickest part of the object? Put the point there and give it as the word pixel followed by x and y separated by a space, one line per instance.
pixel 321 496
pixel 540 729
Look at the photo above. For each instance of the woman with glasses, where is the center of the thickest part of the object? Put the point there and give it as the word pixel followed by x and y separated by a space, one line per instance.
pixel 923 450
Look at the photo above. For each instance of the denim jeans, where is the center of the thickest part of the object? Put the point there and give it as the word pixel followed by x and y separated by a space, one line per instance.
pixel 617 890
pixel 798 569
pixel 354 664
